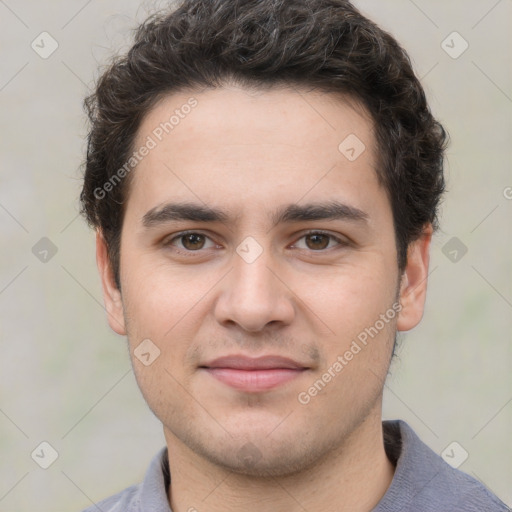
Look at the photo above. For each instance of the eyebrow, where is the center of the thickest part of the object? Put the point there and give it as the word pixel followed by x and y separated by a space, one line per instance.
pixel 195 212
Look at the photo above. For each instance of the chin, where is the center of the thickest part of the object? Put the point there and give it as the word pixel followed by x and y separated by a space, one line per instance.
pixel 254 453
pixel 249 460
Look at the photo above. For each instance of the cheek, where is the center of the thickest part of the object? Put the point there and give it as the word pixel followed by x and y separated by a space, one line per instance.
pixel 348 299
pixel 166 305
pixel 160 307
pixel 356 341
pixel 156 292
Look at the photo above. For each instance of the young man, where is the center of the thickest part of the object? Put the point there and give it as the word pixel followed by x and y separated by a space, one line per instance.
pixel 264 178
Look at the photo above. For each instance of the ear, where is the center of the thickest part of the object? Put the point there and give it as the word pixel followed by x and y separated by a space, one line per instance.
pixel 413 286
pixel 111 294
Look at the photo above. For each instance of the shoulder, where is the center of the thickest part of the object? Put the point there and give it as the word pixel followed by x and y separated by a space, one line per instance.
pixel 475 497
pixel 151 494
pixel 424 482
pixel 465 493
pixel 124 501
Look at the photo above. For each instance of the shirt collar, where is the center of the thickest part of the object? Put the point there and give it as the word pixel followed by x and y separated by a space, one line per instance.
pixel 153 492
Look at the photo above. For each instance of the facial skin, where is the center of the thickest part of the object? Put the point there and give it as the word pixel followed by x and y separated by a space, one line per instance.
pixel 249 155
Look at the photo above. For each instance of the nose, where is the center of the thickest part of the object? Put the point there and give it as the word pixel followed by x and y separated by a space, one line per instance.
pixel 254 295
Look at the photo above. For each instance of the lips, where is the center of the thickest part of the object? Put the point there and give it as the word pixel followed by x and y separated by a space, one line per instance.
pixel 254 374
pixel 254 363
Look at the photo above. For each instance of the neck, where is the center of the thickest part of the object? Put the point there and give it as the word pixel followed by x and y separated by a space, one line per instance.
pixel 354 477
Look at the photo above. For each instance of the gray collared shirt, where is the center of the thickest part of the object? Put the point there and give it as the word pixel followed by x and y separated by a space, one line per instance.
pixel 423 482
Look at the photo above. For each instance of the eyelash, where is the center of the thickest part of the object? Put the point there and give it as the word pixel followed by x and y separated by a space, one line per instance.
pixel 169 242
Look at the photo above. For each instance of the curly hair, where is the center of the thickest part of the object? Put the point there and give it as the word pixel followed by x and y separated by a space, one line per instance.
pixel 324 45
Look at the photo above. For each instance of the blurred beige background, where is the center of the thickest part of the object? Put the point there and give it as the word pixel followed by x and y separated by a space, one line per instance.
pixel 66 379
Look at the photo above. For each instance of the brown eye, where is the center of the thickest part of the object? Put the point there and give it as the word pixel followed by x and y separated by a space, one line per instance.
pixel 193 241
pixel 188 242
pixel 317 241
pixel 320 241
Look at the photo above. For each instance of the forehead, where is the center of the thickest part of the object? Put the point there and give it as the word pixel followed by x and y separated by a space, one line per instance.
pixel 238 148
pixel 279 115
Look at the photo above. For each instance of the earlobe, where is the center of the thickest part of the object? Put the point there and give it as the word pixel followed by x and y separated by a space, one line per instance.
pixel 413 287
pixel 111 294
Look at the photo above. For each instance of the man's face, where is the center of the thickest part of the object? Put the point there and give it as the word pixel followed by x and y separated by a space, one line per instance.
pixel 304 288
